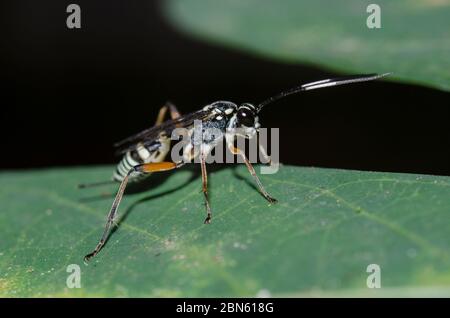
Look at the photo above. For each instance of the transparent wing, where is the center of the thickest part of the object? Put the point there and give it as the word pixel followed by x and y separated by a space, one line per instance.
pixel 151 134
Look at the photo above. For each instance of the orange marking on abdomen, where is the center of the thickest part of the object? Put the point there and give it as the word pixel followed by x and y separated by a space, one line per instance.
pixel 158 166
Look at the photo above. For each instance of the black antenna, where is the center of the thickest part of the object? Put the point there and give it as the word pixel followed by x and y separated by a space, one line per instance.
pixel 321 84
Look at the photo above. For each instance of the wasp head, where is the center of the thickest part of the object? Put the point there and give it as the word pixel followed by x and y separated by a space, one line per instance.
pixel 246 120
pixel 247 116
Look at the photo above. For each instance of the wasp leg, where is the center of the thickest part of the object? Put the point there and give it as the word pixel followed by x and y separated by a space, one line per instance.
pixel 205 189
pixel 252 171
pixel 143 168
pixel 95 184
pixel 174 113
pixel 265 156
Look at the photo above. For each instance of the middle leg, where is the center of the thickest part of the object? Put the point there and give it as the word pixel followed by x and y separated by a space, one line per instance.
pixel 205 188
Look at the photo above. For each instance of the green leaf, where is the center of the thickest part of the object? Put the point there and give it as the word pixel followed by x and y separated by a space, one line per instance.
pixel 328 226
pixel 413 42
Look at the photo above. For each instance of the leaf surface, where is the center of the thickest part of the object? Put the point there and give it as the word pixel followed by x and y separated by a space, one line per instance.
pixel 328 227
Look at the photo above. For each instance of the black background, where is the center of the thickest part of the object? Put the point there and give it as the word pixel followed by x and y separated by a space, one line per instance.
pixel 370 307
pixel 68 95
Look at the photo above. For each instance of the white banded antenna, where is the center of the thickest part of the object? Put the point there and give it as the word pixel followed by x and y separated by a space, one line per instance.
pixel 321 84
pixel 342 81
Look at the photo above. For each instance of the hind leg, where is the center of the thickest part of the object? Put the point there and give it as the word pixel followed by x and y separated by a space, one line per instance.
pixel 142 168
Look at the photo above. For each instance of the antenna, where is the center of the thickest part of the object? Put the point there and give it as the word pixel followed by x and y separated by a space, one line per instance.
pixel 321 84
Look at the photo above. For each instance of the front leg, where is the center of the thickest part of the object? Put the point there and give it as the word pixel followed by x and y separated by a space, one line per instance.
pixel 252 171
pixel 267 159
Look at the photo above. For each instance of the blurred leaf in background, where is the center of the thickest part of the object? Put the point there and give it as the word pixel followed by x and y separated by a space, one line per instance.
pixel 328 226
pixel 413 41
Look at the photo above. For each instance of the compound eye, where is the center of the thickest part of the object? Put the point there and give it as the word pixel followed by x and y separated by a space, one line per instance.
pixel 246 117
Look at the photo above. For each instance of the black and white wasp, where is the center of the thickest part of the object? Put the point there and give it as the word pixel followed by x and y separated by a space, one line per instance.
pixel 145 152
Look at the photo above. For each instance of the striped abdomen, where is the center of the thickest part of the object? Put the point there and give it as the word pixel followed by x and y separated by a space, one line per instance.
pixel 155 152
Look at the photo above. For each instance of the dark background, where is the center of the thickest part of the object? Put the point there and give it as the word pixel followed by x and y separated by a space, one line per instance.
pixel 68 95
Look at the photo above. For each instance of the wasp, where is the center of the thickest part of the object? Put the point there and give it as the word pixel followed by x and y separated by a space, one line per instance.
pixel 145 152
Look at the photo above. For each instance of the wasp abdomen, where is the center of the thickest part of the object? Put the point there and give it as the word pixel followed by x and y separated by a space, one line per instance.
pixel 154 152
